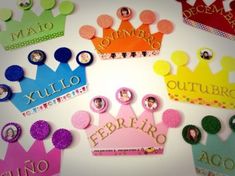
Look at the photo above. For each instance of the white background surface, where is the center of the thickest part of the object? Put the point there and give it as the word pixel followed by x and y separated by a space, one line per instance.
pixel 105 77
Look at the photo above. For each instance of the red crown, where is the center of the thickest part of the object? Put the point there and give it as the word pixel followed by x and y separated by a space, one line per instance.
pixel 212 18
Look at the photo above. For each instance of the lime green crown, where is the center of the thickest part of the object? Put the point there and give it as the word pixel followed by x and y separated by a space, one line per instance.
pixel 33 28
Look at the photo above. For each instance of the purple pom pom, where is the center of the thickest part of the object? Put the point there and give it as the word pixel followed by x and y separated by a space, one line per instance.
pixel 40 130
pixel 62 138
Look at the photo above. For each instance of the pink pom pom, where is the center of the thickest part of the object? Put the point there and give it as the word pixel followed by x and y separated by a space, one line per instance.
pixel 171 118
pixel 105 21
pixel 81 120
pixel 87 32
pixel 147 17
pixel 165 26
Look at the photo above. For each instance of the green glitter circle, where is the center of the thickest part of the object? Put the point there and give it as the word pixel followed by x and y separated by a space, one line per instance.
pixel 211 124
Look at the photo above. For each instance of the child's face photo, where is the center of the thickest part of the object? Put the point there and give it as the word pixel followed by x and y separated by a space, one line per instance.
pixel 124 13
pixel 84 58
pixel 25 4
pixel 206 54
pixel 36 56
pixel 150 103
pixel 124 95
pixel 98 103
pixel 9 132
pixel 3 92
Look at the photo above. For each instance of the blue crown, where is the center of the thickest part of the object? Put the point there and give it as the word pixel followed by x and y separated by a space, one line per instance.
pixel 50 87
pixel 216 157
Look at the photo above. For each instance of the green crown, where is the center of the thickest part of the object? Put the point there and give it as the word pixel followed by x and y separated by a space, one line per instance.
pixel 32 28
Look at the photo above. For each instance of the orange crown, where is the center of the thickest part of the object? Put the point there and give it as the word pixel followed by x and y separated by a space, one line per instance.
pixel 127 41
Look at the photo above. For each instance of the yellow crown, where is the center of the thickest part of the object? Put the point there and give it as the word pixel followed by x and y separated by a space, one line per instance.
pixel 127 41
pixel 200 86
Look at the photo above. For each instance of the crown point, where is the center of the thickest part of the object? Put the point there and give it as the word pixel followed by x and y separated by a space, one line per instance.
pixel 124 95
pixel 11 132
pixel 150 102
pixel 124 13
pixel 25 4
pixel 40 130
pixel 232 5
pixel 105 21
pixel 232 123
pixel 191 134
pixel 62 138
pixel 66 7
pixel 63 54
pixel 171 118
pixel 205 54
pixel 165 26
pixel 14 73
pixel 84 58
pixel 181 0
pixel 87 32
pixel 147 17
pixel 81 119
pixel 48 4
pixel 5 14
pixel 37 57
pixel 162 68
pixel 228 63
pixel 5 92
pixel 211 124
pixel 99 104
pixel 180 58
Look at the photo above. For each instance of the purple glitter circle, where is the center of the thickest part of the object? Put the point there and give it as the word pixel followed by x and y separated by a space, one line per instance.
pixel 16 132
pixel 62 138
pixel 40 130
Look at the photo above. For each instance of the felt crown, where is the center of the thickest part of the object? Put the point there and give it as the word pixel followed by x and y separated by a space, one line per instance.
pixel 213 18
pixel 35 161
pixel 216 156
pixel 50 87
pixel 127 134
pixel 32 28
pixel 201 85
pixel 127 41
pixel 40 163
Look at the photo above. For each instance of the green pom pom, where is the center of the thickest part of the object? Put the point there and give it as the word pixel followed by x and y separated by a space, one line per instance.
pixel 211 124
pixel 5 14
pixel 48 4
pixel 66 7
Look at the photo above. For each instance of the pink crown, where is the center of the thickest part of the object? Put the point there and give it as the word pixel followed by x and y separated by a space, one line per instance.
pixel 126 134
pixel 37 161
pixel 212 18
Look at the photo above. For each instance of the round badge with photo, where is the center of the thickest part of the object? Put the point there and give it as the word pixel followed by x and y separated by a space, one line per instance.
pixel 5 92
pixel 124 95
pixel 37 57
pixel 124 13
pixel 84 58
pixel 232 123
pixel 191 134
pixel 25 4
pixel 99 104
pixel 11 132
pixel 205 54
pixel 150 102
